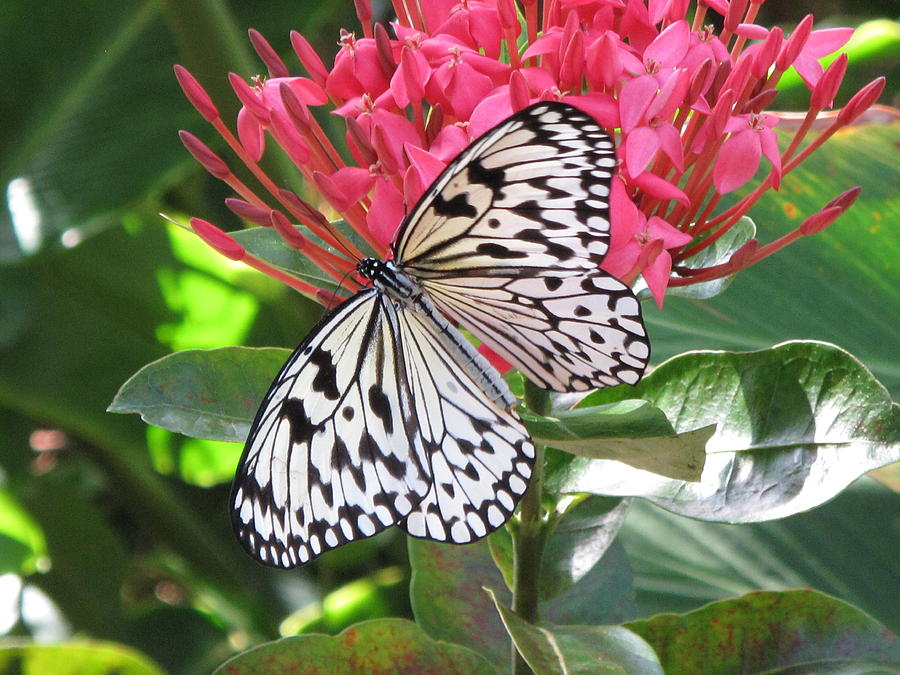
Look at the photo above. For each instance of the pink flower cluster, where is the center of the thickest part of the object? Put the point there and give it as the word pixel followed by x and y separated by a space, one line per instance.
pixel 685 101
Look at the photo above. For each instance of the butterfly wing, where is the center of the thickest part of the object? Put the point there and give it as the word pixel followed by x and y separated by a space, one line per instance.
pixel 379 417
pixel 509 240
pixel 479 454
pixel 331 456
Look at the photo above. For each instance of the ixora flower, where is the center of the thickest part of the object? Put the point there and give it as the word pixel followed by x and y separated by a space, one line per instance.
pixel 686 103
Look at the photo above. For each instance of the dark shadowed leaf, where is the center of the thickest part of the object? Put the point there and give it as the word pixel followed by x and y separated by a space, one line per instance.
pixel 378 646
pixel 550 648
pixel 448 601
pixel 211 394
pixel 796 424
pixel 766 632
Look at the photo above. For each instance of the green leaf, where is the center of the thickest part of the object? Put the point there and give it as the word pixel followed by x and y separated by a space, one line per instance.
pixel 81 657
pixel 840 548
pixel 631 431
pixel 767 631
pixel 716 254
pixel 380 645
pixel 796 424
pixel 576 545
pixel 549 648
pixel 211 394
pixel 447 599
pixel 21 538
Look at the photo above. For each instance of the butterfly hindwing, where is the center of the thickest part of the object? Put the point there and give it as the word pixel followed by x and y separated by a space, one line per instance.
pixel 331 456
pixel 480 456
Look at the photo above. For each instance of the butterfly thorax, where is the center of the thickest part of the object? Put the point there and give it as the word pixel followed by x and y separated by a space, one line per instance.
pixel 389 278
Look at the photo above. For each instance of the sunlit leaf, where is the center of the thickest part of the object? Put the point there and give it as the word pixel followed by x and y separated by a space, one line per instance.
pixel 81 657
pixel 211 394
pixel 796 424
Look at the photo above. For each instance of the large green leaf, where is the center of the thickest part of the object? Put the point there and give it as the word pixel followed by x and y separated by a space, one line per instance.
pixel 846 548
pixel 842 285
pixel 550 648
pixel 766 632
pixel 211 394
pixel 377 646
pixel 796 424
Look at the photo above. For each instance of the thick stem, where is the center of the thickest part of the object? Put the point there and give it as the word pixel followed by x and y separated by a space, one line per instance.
pixel 529 534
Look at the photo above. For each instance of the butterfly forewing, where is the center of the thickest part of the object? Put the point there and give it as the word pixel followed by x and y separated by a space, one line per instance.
pixel 531 193
pixel 509 239
pixel 331 456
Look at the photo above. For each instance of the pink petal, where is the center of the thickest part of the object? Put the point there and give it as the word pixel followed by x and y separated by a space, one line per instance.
pixel 656 274
pixel 602 107
pixel 737 161
pixel 353 183
pixel 640 147
pixel 670 141
pixel 427 166
pixel 625 219
pixel 672 237
pixel 251 134
pixel 449 142
pixel 824 42
pixel 769 144
pixel 659 187
pixel 466 89
pixel 621 261
pixel 398 130
pixel 386 212
pixel 634 99
pixel 670 46
pixel 490 112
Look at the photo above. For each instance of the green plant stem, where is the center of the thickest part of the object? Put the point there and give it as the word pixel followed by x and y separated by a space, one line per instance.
pixel 529 534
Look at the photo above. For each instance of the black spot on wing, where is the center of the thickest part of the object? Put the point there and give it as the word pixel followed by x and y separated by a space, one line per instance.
pixel 458 206
pixel 381 407
pixel 325 381
pixel 499 251
pixel 302 428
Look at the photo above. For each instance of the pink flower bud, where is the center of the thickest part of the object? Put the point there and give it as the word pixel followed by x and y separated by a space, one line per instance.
pixel 307 213
pixel 737 9
pixel 767 53
pixel 247 211
pixel 507 11
pixel 699 81
pixel 218 239
pixel 435 123
pixel 330 191
pixel 761 101
pixel 861 101
pixel 519 96
pixel 196 94
pixel 827 87
pixel 383 149
pixel 363 10
pixel 309 58
pixel 267 54
pixel 794 44
pixel 819 221
pixel 201 152
pixel 846 199
pixel 288 232
pixel 360 139
pixel 384 50
pixel 295 108
pixel 249 98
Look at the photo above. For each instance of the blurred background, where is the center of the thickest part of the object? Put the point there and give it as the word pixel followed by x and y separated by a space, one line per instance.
pixel 113 530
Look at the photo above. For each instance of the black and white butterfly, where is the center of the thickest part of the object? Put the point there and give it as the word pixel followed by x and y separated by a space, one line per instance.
pixel 385 414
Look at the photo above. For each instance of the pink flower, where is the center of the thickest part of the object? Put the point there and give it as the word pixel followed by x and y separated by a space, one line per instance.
pixel 685 105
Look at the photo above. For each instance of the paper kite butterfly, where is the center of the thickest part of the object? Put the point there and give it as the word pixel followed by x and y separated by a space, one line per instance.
pixel 385 414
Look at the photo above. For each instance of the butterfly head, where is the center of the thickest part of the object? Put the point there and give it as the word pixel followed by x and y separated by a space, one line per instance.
pixel 371 268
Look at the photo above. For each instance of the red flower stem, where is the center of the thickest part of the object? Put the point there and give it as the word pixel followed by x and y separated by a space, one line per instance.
pixel 329 234
pixel 512 48
pixel 699 15
pixel 531 22
pixel 800 134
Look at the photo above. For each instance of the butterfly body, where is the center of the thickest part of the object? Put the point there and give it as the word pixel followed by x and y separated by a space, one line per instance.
pixel 386 414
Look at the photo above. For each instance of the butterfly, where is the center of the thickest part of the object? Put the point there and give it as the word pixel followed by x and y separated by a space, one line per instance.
pixel 385 414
